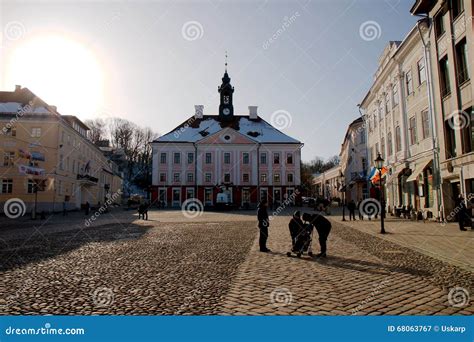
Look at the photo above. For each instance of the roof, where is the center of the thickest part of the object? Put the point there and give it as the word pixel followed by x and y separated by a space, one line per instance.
pixel 422 7
pixel 194 129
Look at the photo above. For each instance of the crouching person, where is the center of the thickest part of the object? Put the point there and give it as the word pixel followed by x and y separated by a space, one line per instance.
pixel 296 226
pixel 323 226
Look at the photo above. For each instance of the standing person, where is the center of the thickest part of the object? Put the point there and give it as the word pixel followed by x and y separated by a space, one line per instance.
pixel 263 223
pixel 462 214
pixel 361 214
pixel 87 207
pixel 323 226
pixel 352 207
pixel 64 208
pixel 295 226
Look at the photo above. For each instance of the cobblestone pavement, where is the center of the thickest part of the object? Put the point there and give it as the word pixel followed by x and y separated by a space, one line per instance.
pixel 362 275
pixel 142 268
pixel 442 241
pixel 210 264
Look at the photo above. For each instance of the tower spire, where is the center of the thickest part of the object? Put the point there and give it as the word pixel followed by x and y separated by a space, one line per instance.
pixel 226 61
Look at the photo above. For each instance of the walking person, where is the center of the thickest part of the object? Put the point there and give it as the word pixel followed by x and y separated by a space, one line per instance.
pixel 87 208
pixel 64 208
pixel 263 223
pixel 351 206
pixel 463 216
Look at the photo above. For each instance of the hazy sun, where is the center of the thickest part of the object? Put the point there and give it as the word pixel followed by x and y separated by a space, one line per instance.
pixel 60 70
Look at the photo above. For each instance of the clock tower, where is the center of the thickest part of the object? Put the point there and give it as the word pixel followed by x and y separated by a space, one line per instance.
pixel 226 107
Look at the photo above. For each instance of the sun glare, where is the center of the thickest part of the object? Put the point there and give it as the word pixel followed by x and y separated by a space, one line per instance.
pixel 60 70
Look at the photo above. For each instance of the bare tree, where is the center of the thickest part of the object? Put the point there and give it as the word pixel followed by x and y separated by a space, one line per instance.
pixel 97 130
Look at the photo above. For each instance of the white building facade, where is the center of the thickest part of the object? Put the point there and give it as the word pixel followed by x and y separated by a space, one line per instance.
pixel 399 122
pixel 240 155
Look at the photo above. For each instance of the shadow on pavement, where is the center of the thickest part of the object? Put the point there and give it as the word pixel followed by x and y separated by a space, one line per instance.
pixel 358 265
pixel 35 248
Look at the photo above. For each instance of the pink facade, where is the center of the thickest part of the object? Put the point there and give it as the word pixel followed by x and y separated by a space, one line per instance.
pixel 241 155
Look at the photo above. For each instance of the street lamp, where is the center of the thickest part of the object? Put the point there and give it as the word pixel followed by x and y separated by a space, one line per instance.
pixel 343 190
pixel 379 165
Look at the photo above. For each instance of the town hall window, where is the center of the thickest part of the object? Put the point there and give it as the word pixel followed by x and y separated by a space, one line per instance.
pixel 208 177
pixel 263 177
pixel 190 158
pixel 245 158
pixel 177 158
pixel 263 158
pixel 190 177
pixel 290 178
pixel 246 177
pixel 226 158
pixel 177 177
pixel 227 178
pixel 289 158
pixel 276 177
pixel 163 158
pixel 208 158
pixel 162 177
pixel 276 158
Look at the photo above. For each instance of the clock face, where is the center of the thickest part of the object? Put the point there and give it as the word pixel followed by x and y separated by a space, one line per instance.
pixel 226 111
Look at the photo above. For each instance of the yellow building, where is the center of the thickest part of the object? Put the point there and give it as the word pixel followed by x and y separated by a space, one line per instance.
pixel 42 149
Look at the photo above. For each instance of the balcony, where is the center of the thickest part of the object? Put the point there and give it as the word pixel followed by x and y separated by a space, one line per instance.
pixel 87 179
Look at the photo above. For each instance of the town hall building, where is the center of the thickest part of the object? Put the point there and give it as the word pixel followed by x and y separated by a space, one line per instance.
pixel 242 156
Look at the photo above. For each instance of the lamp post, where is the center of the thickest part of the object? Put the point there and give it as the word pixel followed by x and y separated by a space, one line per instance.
pixel 343 190
pixel 379 165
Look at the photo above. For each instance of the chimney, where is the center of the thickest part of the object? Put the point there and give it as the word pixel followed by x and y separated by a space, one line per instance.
pixel 199 110
pixel 17 87
pixel 53 108
pixel 253 115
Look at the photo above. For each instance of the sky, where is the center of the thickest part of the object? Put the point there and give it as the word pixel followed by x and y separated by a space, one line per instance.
pixel 306 64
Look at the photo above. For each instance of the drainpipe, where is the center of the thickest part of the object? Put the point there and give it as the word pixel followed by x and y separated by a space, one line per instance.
pixel 433 127
pixel 366 148
pixel 258 172
pixel 195 172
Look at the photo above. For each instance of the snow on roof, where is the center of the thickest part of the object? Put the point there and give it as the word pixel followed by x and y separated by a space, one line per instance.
pixel 193 130
pixel 15 107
